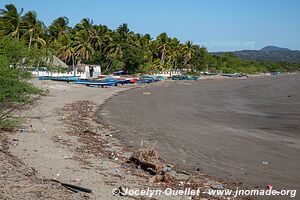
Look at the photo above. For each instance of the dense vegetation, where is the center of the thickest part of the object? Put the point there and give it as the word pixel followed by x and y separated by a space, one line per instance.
pixel 14 90
pixel 117 49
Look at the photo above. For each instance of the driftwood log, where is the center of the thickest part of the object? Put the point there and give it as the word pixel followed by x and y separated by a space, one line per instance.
pixel 147 166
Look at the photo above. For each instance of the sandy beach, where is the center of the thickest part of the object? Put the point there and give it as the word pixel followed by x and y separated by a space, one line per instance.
pixel 245 130
pixel 63 139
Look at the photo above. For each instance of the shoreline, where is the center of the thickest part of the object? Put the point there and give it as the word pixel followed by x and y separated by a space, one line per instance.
pixel 127 132
pixel 62 140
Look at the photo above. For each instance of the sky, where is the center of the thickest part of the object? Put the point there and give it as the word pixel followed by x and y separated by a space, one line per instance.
pixel 219 25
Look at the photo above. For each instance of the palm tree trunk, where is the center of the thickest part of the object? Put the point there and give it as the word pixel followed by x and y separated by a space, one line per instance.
pixel 73 65
pixel 108 66
pixel 162 59
pixel 38 70
pixel 30 41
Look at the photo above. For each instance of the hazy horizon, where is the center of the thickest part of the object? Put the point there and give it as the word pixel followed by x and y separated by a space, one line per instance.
pixel 219 26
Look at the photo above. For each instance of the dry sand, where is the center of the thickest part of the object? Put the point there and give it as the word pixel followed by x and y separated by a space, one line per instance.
pixel 243 129
pixel 63 139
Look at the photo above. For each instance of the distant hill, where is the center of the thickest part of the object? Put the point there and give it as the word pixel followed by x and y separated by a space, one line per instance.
pixel 268 53
pixel 274 48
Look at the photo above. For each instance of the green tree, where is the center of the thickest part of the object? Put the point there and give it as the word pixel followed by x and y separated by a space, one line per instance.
pixel 35 30
pixel 10 21
pixel 187 52
pixel 82 45
pixel 58 28
pixel 66 49
pixel 162 46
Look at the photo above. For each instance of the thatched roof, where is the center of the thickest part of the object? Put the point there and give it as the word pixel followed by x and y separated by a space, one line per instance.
pixel 57 62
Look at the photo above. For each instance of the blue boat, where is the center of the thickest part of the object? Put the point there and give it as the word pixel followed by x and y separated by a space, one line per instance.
pixel 234 75
pixel 123 81
pixel 275 73
pixel 119 73
pixel 146 80
pixel 60 78
pixel 100 83
pixel 185 77
pixel 159 78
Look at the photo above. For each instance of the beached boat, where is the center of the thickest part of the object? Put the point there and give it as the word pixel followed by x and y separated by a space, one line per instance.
pixel 210 74
pixel 100 83
pixel 275 73
pixel 60 78
pixel 119 73
pixel 234 75
pixel 123 81
pixel 185 77
pixel 147 80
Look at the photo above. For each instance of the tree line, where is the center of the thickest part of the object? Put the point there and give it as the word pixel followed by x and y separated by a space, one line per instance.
pixel 120 49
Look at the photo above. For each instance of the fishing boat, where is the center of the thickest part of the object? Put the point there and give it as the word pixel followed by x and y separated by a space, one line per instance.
pixel 134 80
pixel 185 77
pixel 99 83
pixel 123 81
pixel 146 80
pixel 234 75
pixel 275 73
pixel 60 78
pixel 210 74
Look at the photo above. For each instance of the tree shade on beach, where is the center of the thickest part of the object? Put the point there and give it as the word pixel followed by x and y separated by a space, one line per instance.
pixel 120 49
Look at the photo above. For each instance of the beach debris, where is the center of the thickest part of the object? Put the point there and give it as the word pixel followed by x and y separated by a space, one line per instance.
pixel 146 93
pixel 103 162
pixel 73 188
pixel 119 191
pixel 167 169
pixel 126 165
pixel 148 160
pixel 265 163
pixel 77 180
pixel 167 178
pixel 219 187
pixel 269 187
pixel 67 157
pixel 117 171
pixel 183 172
pixel 21 130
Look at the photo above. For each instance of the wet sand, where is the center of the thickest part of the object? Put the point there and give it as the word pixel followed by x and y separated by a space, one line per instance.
pixel 245 130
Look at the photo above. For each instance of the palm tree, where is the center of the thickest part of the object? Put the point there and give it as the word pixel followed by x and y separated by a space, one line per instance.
pixel 162 46
pixel 113 50
pixel 145 44
pixel 98 37
pixel 123 32
pixel 85 24
pixel 10 21
pixel 82 45
pixel 174 52
pixel 187 51
pixel 65 50
pixel 58 28
pixel 35 30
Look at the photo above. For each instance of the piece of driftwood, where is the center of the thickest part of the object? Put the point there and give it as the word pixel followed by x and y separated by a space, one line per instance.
pixel 147 166
pixel 73 188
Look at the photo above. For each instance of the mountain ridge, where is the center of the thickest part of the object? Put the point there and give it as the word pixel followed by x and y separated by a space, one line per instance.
pixel 268 53
pixel 274 48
